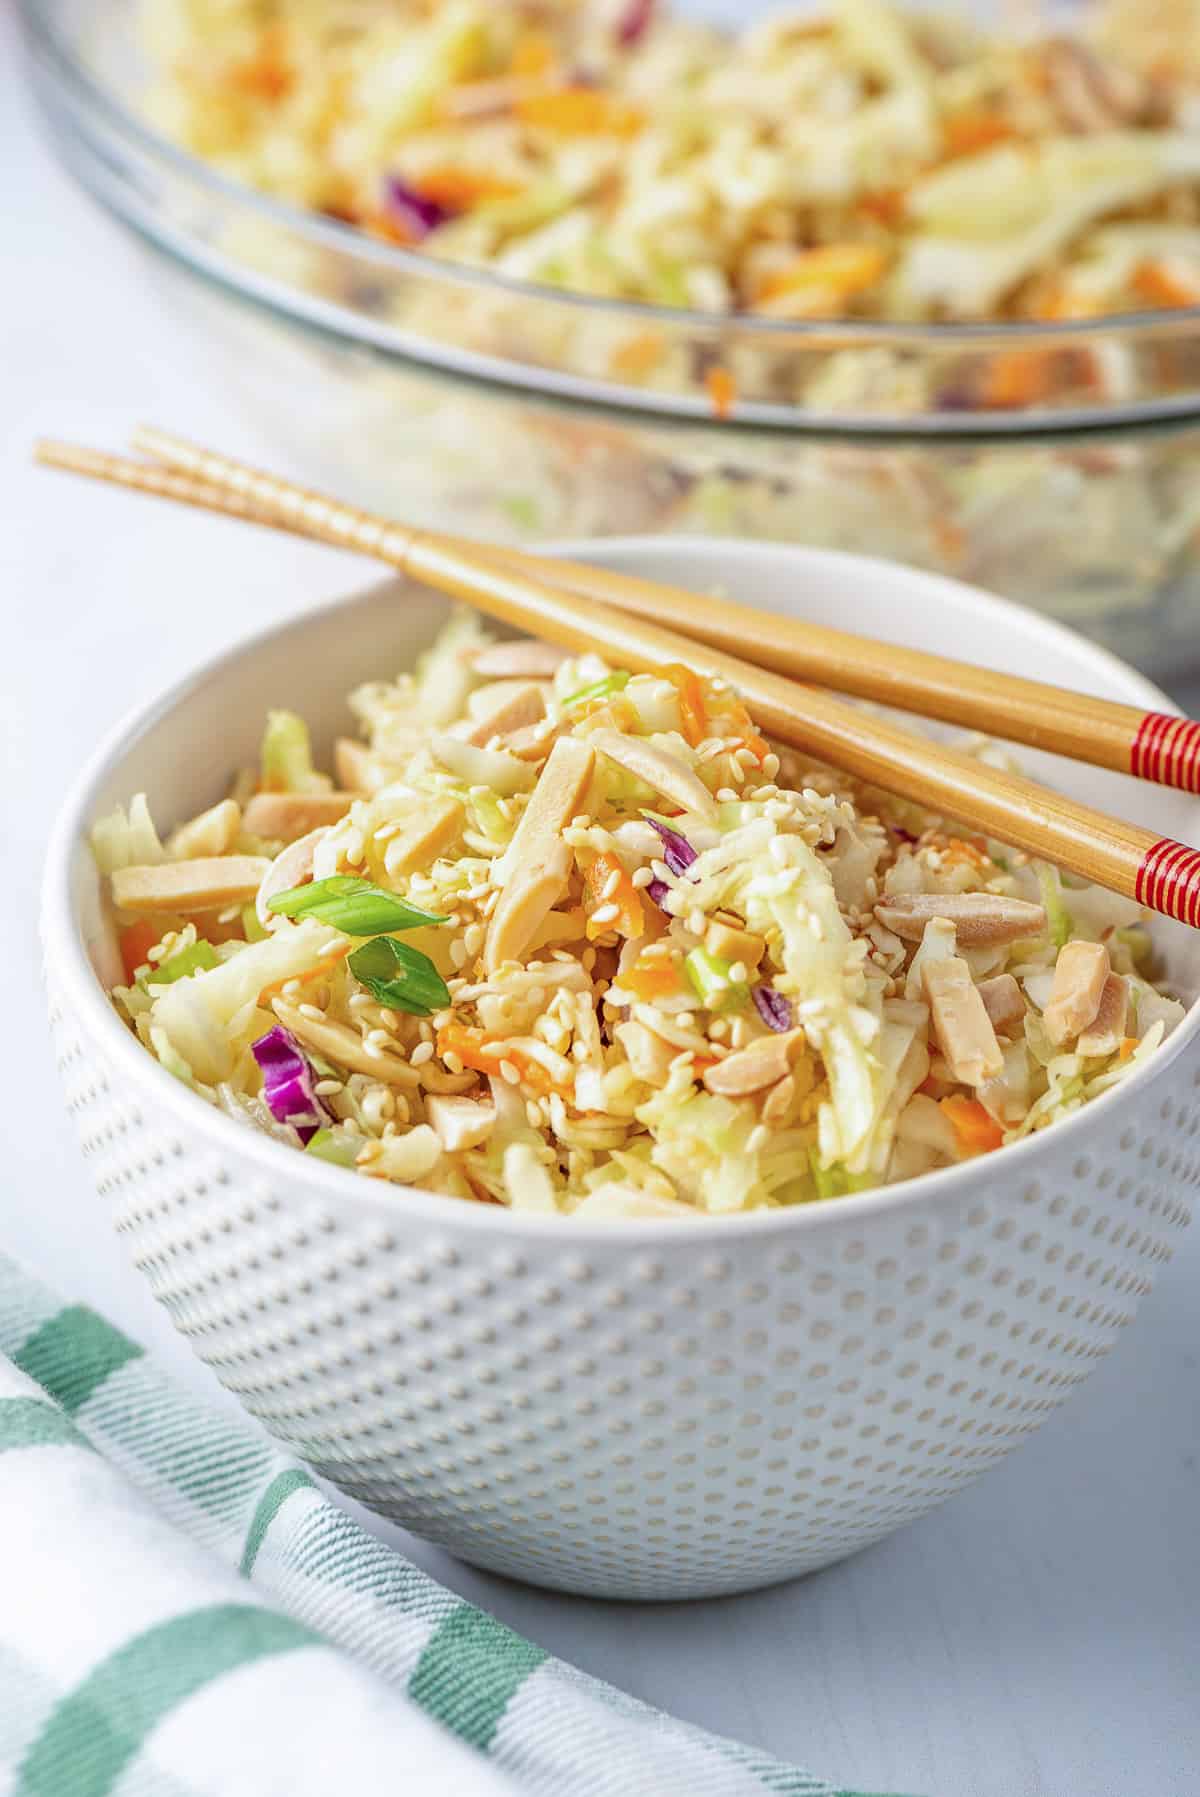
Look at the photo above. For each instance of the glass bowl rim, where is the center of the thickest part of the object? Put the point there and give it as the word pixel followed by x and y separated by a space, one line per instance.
pixel 753 331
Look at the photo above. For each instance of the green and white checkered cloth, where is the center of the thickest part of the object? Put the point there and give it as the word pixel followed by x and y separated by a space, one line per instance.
pixel 184 1614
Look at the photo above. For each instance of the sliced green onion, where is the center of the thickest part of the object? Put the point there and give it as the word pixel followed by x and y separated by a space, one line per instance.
pixel 399 976
pixel 599 689
pixel 709 977
pixel 351 905
pixel 331 1145
pixel 198 957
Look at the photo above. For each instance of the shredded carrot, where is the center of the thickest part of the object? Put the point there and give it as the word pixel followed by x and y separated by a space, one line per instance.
pixel 651 976
pixel 721 391
pixel 136 943
pixel 625 896
pixel 1128 1044
pixel 615 713
pixel 459 189
pixel 831 273
pixel 976 1129
pixel 267 74
pixel 1016 377
pixel 747 736
pixel 957 849
pixel 1058 303
pixel 580 112
pixel 639 354
pixel 693 713
pixel 390 230
pixel 319 972
pixel 966 133
pixel 485 1054
pixel 533 54
pixel 1166 284
pixel 886 205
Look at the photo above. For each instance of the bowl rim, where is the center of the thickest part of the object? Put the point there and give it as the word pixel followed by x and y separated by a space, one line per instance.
pixel 760 333
pixel 76 980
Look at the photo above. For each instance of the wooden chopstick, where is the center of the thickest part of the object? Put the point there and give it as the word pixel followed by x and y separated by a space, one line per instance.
pixel 1156 871
pixel 1151 745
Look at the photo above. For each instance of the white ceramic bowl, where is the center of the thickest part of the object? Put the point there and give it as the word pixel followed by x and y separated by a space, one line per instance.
pixel 640 1409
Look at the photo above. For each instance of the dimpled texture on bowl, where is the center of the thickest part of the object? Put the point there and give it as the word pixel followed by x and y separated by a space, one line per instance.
pixel 645 1411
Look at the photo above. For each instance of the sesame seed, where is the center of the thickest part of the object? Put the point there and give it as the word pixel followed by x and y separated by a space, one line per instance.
pixel 473 938
pixel 458 953
pixel 291 988
pixel 378 1039
pixel 641 878
pixel 606 914
pixel 697 922
pixel 509 1073
pixel 325 1088
pixel 739 973
pixel 421 1053
pixel 311 1011
pixel 726 795
pixel 373 1049
pixel 452 1061
pixel 609 888
pixel 770 766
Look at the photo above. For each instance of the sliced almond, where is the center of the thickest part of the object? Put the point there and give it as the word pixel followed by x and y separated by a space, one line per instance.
pixel 526 656
pixel 1104 1033
pixel 556 799
pixel 290 815
pixel 214 832
pixel 424 838
pixel 504 774
pixel 358 768
pixel 207 884
pixel 1002 1000
pixel 980 918
pixel 525 903
pixel 730 944
pixel 648 1055
pixel 517 706
pixel 460 1122
pixel 339 1043
pixel 778 1102
pixel 658 768
pixel 762 1063
pixel 1080 974
pixel 532 743
pixel 291 867
pixel 960 1023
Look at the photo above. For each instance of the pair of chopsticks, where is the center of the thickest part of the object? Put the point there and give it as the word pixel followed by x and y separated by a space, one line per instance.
pixel 645 626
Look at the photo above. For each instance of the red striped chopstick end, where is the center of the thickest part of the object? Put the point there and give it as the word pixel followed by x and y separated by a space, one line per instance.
pixel 1167 749
pixel 1169 880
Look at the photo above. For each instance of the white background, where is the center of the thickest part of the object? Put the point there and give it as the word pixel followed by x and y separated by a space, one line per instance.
pixel 1037 1638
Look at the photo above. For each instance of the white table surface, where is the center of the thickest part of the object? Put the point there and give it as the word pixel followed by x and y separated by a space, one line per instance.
pixel 1040 1637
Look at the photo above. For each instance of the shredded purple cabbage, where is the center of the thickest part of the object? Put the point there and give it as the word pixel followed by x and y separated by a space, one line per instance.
pixel 288 1083
pixel 415 215
pixel 678 852
pixel 772 1007
pixel 657 892
pixel 634 22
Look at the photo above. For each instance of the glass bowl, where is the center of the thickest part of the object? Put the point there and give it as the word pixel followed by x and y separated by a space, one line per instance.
pixel 461 398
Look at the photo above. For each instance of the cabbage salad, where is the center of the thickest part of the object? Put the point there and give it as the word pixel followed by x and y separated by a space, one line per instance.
pixel 571 940
pixel 872 161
